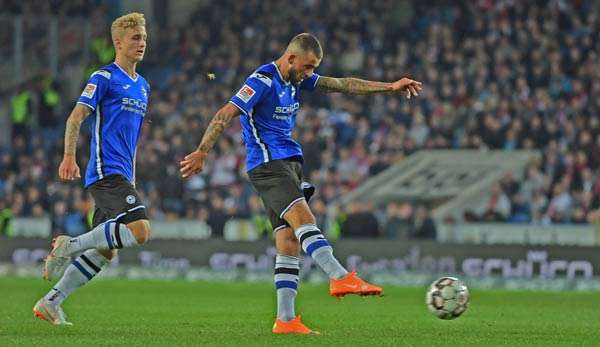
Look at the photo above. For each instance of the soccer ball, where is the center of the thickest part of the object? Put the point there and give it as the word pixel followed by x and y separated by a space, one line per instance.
pixel 447 298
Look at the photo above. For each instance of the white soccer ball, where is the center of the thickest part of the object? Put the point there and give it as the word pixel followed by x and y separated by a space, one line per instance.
pixel 447 298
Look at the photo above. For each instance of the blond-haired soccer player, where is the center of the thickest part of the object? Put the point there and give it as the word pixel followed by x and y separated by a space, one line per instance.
pixel 117 96
pixel 268 103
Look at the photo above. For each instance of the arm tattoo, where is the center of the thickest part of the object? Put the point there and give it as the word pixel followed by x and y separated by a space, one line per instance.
pixel 217 125
pixel 72 135
pixel 351 85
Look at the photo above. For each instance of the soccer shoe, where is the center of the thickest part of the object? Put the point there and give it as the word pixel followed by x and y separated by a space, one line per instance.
pixel 56 262
pixel 352 284
pixel 294 326
pixel 51 313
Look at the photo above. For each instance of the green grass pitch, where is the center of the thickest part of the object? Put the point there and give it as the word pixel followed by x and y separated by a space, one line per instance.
pixel 168 313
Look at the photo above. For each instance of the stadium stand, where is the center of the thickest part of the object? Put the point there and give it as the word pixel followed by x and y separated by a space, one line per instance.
pixel 501 75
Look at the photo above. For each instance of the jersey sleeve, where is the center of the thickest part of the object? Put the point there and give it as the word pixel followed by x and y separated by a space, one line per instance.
pixel 252 92
pixel 148 91
pixel 95 89
pixel 310 83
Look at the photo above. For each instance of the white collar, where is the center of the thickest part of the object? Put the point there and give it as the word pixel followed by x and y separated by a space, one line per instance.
pixel 279 73
pixel 126 74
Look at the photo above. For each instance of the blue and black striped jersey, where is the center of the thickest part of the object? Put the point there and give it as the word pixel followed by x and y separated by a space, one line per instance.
pixel 118 103
pixel 269 106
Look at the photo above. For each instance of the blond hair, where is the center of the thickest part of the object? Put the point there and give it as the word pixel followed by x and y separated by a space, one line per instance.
pixel 130 20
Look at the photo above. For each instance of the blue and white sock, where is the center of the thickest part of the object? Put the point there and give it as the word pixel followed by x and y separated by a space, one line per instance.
pixel 287 269
pixel 109 235
pixel 78 273
pixel 316 246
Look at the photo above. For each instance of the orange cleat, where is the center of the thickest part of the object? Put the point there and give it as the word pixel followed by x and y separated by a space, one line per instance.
pixel 294 326
pixel 352 284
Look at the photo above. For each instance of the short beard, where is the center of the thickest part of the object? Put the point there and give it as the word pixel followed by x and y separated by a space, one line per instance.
pixel 294 76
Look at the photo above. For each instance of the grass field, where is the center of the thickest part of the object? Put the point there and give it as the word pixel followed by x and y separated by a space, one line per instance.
pixel 167 313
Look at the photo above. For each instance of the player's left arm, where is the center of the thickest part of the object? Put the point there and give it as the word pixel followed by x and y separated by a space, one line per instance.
pixel 351 85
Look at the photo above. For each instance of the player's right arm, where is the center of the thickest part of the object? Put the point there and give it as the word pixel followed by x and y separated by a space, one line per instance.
pixel 253 90
pixel 95 89
pixel 193 163
pixel 68 169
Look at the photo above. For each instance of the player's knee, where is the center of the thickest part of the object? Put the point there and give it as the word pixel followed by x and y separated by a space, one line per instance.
pixel 299 214
pixel 140 230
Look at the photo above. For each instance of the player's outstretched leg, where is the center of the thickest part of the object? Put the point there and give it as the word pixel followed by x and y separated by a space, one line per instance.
pixel 79 272
pixel 106 236
pixel 341 282
pixel 316 246
pixel 287 271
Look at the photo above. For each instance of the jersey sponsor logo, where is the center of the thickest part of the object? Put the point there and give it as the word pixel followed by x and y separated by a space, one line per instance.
pixel 281 117
pixel 245 93
pixel 134 105
pixel 284 112
pixel 89 90
pixel 135 102
pixel 288 109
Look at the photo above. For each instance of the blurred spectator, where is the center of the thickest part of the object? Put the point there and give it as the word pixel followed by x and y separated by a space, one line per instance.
pixel 423 223
pixel 20 116
pixel 59 213
pixel 258 216
pixel 5 219
pixel 360 221
pixel 399 222
pixel 319 210
pixel 217 215
pixel 520 209
pixel 498 206
pixel 560 204
pixel 48 107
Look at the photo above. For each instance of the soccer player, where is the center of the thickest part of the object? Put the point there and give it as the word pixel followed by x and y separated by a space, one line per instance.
pixel 118 97
pixel 268 103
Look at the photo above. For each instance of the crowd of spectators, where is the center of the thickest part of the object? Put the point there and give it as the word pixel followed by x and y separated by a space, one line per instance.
pixel 501 75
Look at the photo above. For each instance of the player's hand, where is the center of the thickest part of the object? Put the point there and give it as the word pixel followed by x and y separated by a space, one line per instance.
pixel 68 169
pixel 408 86
pixel 192 163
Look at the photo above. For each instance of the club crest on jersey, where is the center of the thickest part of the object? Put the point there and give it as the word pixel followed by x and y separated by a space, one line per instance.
pixel 245 93
pixel 89 90
pixel 130 199
pixel 144 93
